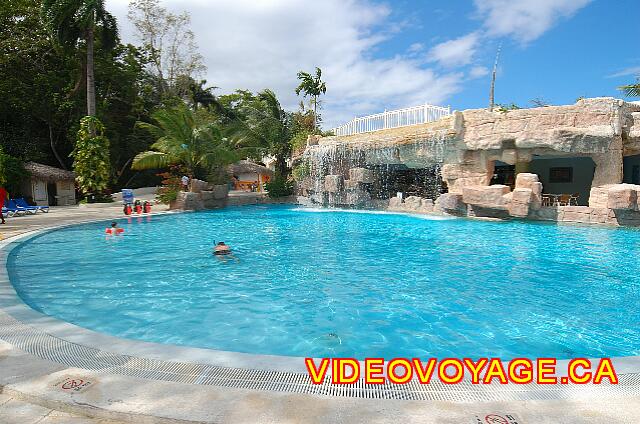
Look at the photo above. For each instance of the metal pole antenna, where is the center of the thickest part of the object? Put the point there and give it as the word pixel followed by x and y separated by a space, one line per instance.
pixel 493 79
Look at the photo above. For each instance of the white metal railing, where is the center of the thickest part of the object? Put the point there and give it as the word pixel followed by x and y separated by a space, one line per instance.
pixel 393 119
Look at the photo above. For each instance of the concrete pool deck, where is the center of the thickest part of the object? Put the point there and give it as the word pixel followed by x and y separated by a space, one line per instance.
pixel 34 370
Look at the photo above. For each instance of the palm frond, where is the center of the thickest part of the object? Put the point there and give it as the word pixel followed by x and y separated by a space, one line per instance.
pixel 631 90
pixel 151 160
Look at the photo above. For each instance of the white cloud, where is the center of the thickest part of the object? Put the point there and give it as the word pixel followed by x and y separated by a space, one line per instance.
pixel 416 47
pixel 478 72
pixel 458 52
pixel 633 71
pixel 263 44
pixel 524 20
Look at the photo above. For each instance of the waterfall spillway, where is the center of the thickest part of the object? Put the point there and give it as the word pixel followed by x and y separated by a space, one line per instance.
pixel 341 173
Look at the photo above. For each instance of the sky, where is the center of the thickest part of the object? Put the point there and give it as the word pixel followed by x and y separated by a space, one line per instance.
pixel 383 55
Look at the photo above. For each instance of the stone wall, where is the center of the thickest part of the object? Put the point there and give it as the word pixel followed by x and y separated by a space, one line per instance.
pixel 603 129
pixel 213 198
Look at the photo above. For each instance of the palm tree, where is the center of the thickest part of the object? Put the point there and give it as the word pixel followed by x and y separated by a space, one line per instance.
pixel 180 141
pixel 631 90
pixel 199 95
pixel 314 87
pixel 266 124
pixel 74 20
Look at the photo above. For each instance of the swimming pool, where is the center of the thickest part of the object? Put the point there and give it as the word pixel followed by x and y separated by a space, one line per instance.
pixel 342 283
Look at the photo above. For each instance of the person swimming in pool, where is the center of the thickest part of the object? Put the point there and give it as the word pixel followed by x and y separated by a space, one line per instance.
pixel 114 230
pixel 221 249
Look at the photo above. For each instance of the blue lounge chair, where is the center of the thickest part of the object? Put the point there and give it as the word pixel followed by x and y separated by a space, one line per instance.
pixel 21 203
pixel 7 213
pixel 11 205
pixel 10 209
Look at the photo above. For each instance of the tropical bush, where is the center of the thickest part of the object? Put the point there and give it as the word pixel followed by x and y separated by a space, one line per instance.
pixel 11 172
pixel 180 140
pixel 91 157
pixel 299 141
pixel 171 185
pixel 279 187
pixel 301 171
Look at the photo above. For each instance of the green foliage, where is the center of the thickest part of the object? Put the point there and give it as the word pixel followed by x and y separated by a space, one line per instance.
pixel 43 95
pixel 301 171
pixel 181 141
pixel 12 172
pixel 71 20
pixel 631 90
pixel 266 124
pixel 279 187
pixel 171 185
pixel 314 87
pixel 311 85
pixel 91 157
pixel 504 108
pixel 299 141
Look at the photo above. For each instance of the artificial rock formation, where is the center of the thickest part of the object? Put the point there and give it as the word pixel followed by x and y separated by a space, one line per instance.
pixel 464 147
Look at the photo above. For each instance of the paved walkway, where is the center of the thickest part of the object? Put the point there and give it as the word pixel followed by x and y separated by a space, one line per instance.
pixel 14 411
pixel 62 215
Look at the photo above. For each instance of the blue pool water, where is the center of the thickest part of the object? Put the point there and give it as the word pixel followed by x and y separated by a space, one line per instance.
pixel 318 283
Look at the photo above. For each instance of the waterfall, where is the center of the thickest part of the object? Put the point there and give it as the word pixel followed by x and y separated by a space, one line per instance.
pixel 340 173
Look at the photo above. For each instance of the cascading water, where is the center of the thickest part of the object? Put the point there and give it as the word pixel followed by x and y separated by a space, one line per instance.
pixel 362 174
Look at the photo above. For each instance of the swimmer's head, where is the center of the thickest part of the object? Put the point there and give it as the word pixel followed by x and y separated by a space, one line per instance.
pixel 114 224
pixel 220 243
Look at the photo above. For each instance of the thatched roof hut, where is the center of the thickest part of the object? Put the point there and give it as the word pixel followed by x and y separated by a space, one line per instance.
pixel 50 186
pixel 249 176
pixel 48 173
pixel 248 167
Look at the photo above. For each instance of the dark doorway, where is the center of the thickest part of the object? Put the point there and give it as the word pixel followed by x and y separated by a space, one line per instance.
pixel 52 191
pixel 631 168
pixel 504 174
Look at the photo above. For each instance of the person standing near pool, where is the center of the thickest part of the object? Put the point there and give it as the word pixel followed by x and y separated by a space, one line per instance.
pixel 3 196
pixel 185 183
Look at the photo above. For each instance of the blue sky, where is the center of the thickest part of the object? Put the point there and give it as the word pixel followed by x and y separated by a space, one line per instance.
pixel 380 55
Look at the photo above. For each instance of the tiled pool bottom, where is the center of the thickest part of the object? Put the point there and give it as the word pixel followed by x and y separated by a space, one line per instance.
pixel 62 343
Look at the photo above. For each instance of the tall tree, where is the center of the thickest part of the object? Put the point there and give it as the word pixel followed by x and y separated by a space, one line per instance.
pixel 199 95
pixel 265 123
pixel 313 86
pixel 169 43
pixel 75 20
pixel 492 90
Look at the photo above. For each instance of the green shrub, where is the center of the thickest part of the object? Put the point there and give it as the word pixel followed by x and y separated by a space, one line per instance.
pixel 299 141
pixel 279 187
pixel 171 186
pixel 301 171
pixel 12 173
pixel 91 157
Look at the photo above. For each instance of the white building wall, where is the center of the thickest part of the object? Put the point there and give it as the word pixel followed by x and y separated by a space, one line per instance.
pixel 66 193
